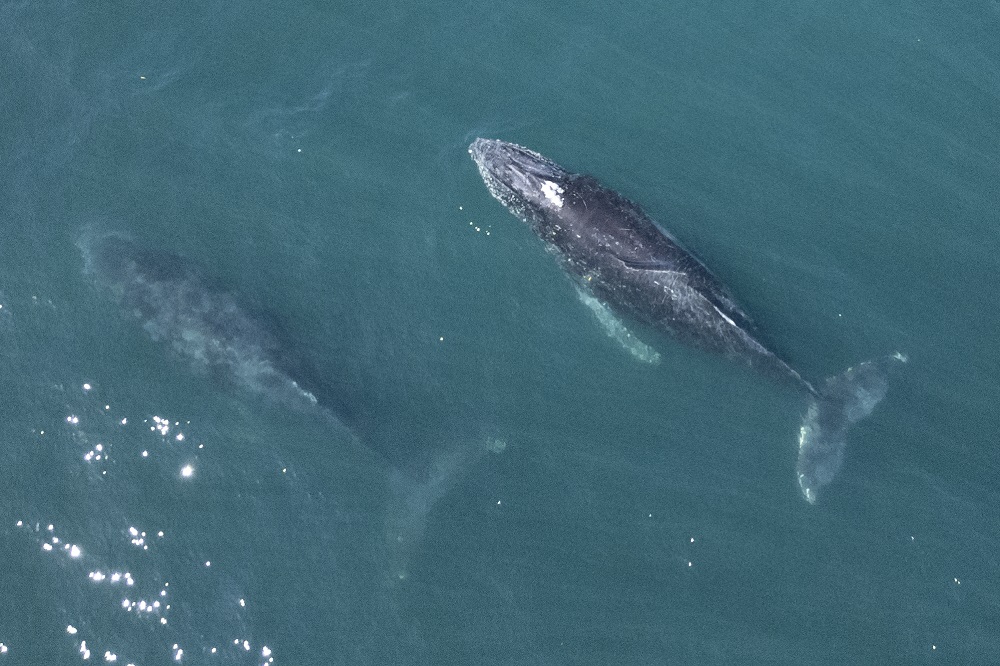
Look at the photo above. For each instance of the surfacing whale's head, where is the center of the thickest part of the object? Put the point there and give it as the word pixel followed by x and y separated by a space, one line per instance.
pixel 528 184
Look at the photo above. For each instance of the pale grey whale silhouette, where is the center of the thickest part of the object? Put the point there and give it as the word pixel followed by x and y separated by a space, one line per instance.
pixel 203 322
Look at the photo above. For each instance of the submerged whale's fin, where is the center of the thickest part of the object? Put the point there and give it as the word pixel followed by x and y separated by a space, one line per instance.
pixel 838 403
pixel 617 331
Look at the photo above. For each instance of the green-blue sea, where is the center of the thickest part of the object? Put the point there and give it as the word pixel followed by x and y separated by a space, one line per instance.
pixel 550 498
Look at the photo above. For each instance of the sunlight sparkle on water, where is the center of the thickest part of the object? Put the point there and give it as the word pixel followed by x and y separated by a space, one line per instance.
pixel 162 425
pixel 115 578
pixel 138 538
pixel 133 601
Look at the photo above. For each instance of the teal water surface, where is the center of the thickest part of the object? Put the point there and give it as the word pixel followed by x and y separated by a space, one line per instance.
pixel 835 164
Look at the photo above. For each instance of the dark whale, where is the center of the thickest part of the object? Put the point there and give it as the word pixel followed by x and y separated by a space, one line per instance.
pixel 616 252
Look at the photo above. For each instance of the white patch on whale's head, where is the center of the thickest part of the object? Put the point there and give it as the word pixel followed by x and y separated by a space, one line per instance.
pixel 553 193
pixel 530 185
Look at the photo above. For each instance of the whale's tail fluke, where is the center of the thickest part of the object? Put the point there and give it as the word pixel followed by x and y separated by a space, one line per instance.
pixel 414 493
pixel 838 403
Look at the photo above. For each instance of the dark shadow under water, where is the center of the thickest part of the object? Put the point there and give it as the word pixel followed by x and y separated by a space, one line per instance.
pixel 216 332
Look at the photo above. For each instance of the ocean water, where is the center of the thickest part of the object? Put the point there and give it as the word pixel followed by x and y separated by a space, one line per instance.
pixel 548 498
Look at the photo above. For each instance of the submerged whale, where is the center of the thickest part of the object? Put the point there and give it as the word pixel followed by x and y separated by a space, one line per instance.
pixel 202 321
pixel 617 253
pixel 179 305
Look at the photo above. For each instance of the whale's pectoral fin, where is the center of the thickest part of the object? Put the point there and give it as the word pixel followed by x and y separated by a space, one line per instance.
pixel 617 330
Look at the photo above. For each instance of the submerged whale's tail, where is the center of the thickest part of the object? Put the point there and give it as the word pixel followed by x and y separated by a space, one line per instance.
pixel 838 403
pixel 415 491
